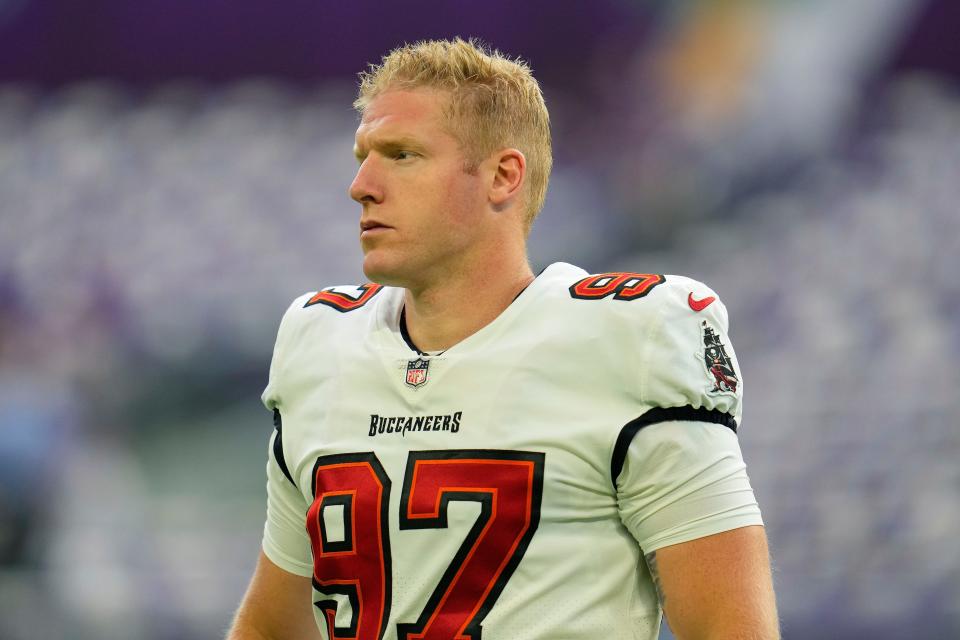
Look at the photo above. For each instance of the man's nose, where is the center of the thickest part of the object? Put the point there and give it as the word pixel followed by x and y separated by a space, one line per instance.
pixel 366 188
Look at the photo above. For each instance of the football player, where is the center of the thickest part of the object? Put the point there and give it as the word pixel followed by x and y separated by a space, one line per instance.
pixel 464 449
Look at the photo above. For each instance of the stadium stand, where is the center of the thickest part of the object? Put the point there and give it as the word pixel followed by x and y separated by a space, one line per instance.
pixel 166 230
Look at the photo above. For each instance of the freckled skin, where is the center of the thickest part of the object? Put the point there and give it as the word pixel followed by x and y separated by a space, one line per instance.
pixel 412 179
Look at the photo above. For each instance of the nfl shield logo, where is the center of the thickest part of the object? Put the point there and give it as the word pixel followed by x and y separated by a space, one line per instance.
pixel 417 372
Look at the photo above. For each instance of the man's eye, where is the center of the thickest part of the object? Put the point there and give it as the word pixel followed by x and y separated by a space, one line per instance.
pixel 402 155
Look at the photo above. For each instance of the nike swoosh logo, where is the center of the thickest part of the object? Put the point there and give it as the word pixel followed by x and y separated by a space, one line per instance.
pixel 699 305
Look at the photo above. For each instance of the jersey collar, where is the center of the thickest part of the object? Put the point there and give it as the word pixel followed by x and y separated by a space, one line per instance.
pixel 391 335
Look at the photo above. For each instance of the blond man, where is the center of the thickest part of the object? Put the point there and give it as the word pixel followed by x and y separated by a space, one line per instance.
pixel 465 450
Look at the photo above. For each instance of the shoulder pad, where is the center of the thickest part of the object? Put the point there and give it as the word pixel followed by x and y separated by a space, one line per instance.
pixel 687 358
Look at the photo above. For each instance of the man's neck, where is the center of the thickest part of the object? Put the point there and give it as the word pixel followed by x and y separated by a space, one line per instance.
pixel 439 317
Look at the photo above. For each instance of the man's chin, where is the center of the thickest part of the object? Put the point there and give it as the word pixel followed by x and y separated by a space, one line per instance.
pixel 382 271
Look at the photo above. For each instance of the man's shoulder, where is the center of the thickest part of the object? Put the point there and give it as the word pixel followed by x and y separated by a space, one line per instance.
pixel 629 295
pixel 664 336
pixel 332 308
pixel 337 301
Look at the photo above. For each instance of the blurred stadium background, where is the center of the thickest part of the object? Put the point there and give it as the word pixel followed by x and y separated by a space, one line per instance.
pixel 172 174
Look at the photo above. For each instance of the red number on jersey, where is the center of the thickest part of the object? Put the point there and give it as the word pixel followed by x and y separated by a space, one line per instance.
pixel 357 563
pixel 622 286
pixel 508 485
pixel 344 302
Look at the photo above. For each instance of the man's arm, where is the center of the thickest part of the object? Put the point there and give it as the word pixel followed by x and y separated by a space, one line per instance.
pixel 276 606
pixel 717 587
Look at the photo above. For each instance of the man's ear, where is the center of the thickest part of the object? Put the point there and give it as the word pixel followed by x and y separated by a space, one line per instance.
pixel 509 174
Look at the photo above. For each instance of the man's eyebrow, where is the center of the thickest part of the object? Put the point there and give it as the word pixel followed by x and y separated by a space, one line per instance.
pixel 388 144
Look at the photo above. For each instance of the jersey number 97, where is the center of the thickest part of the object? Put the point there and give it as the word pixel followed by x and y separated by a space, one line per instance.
pixel 357 564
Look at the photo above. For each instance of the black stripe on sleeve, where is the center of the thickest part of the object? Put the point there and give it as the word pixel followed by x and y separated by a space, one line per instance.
pixel 278 446
pixel 660 414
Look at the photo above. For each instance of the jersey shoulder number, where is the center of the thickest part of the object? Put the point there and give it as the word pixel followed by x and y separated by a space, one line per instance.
pixel 345 299
pixel 620 285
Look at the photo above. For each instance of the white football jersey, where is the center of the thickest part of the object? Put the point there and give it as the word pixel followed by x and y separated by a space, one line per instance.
pixel 513 483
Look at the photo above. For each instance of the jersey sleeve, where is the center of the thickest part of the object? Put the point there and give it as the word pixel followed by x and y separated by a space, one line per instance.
pixel 285 539
pixel 684 480
pixel 677 468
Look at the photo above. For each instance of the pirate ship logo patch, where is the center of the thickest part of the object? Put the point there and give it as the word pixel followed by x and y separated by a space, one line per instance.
pixel 718 362
pixel 417 373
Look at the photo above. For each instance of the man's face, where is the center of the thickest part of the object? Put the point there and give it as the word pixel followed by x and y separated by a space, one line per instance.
pixel 421 210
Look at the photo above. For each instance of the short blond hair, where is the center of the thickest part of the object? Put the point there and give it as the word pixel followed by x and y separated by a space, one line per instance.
pixel 495 102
